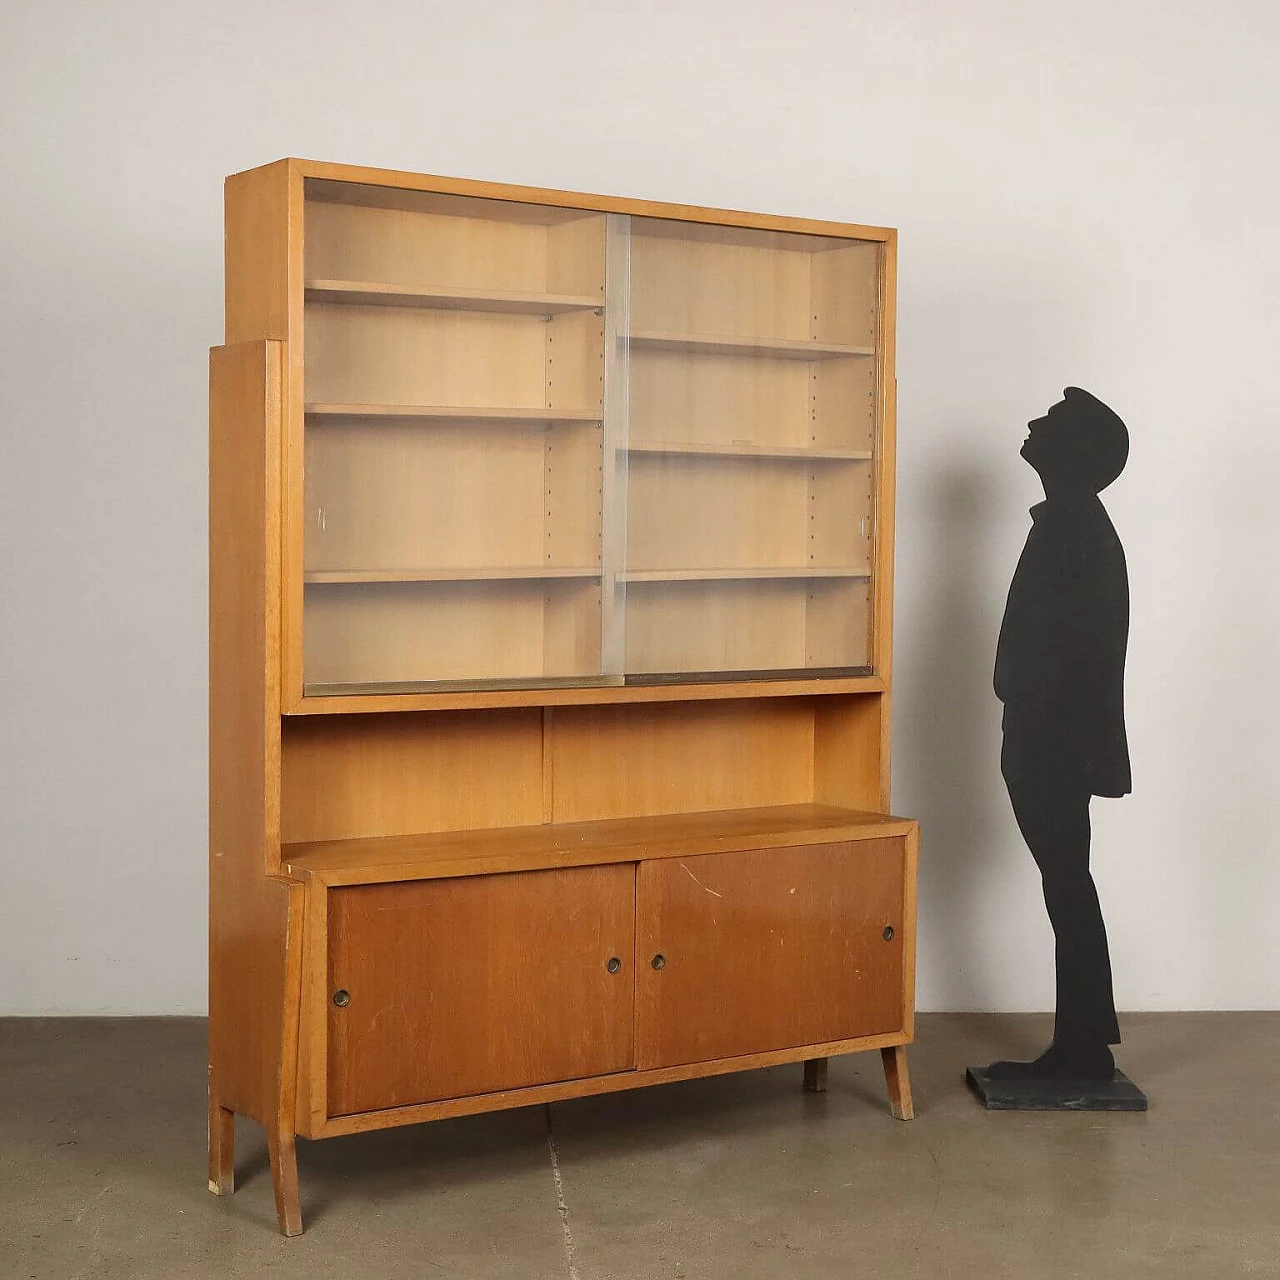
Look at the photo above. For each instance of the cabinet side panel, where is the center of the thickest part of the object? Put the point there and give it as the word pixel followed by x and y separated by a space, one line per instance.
pixel 850 766
pixel 257 253
pixel 254 938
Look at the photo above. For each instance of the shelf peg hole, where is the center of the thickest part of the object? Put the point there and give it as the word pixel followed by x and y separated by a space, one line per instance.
pixel 887 933
pixel 342 998
pixel 659 961
pixel 614 964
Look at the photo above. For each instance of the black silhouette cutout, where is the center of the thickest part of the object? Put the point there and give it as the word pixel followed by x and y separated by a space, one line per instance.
pixel 1060 674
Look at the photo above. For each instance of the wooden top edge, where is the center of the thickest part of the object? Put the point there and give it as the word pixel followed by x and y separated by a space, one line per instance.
pixel 579 200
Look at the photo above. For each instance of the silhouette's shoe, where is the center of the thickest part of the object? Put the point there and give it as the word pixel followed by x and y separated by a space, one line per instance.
pixel 1058 1062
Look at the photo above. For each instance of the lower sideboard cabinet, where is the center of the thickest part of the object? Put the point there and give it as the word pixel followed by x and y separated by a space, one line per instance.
pixel 430 997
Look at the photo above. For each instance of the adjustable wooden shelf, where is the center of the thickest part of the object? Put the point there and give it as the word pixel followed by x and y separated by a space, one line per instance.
pixel 550 633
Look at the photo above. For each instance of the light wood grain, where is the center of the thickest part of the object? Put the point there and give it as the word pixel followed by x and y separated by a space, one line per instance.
pixel 681 757
pixel 393 355
pixel 393 775
pixel 844 294
pixel 755 624
pixel 841 407
pixel 847 733
pixel 403 632
pixel 715 513
pixel 740 287
pixel 720 400
pixel 837 622
pixel 390 496
pixel 460 247
pixel 447 199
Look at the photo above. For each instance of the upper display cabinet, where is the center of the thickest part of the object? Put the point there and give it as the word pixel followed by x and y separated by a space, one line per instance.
pixel 535 439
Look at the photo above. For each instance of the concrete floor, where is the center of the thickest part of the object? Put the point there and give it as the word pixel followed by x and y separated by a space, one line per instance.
pixel 102 1171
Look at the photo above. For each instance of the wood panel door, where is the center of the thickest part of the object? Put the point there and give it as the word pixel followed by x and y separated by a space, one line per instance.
pixel 447 988
pixel 741 953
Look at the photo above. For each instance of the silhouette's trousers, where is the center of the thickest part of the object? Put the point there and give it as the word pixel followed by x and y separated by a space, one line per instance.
pixel 1050 799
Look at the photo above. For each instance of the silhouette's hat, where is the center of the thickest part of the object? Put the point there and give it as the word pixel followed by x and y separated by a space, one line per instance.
pixel 1100 436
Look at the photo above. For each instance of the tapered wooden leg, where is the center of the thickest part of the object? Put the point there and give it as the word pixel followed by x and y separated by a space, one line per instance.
pixel 284 1177
pixel 899 1082
pixel 815 1075
pixel 222 1148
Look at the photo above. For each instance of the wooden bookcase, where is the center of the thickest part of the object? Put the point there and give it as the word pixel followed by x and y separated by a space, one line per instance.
pixel 551 544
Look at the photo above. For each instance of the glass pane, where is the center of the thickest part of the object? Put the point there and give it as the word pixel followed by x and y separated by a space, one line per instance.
pixel 750 430
pixel 454 372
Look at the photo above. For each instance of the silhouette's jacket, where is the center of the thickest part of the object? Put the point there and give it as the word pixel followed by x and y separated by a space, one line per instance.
pixel 1060 674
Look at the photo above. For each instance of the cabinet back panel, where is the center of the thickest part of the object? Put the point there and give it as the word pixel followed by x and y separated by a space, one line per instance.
pixel 715 626
pixel 372 195
pixel 399 246
pixel 399 495
pixel 685 757
pixel 680 627
pixel 575 256
pixel 403 632
pixel 732 289
pixel 715 399
pixel 384 775
pixel 716 513
pixel 391 355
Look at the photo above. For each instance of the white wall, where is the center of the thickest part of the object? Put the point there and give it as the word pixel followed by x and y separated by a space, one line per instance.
pixel 1087 193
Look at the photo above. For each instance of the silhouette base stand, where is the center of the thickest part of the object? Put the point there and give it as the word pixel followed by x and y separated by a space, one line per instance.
pixel 1042 1093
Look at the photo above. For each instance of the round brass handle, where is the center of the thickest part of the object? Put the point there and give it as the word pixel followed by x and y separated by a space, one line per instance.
pixel 614 964
pixel 887 935
pixel 342 998
pixel 658 961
